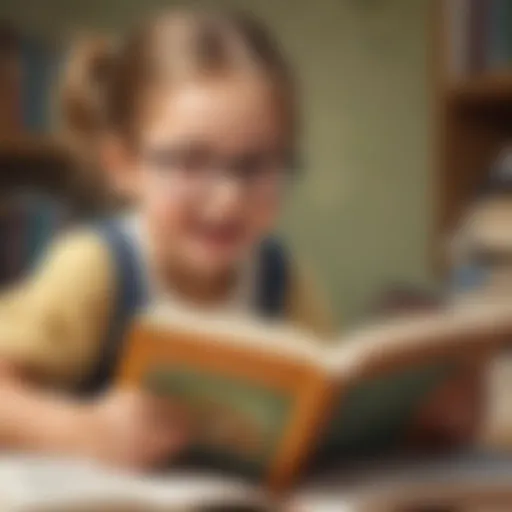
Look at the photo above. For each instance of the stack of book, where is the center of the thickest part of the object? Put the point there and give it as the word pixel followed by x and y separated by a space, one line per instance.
pixel 479 36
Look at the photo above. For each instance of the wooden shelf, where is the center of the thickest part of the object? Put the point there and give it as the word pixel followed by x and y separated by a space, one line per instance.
pixel 484 91
pixel 33 161
pixel 472 124
pixel 31 146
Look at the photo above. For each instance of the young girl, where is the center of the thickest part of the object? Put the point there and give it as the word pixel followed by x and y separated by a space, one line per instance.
pixel 194 117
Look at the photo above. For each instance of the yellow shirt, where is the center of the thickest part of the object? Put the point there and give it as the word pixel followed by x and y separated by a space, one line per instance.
pixel 55 321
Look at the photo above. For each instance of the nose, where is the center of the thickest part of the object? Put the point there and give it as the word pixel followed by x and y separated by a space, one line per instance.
pixel 227 194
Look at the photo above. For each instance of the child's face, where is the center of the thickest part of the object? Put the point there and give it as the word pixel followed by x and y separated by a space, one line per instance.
pixel 211 170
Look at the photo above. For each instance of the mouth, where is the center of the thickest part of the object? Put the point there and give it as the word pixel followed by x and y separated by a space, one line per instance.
pixel 219 235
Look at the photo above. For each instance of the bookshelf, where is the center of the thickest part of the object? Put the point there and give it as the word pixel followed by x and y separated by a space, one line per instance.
pixel 472 110
pixel 35 145
pixel 33 161
pixel 28 153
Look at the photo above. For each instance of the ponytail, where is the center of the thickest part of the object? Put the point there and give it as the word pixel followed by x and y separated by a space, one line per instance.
pixel 83 92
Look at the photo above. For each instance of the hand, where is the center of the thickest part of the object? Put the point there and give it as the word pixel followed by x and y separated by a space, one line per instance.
pixel 131 429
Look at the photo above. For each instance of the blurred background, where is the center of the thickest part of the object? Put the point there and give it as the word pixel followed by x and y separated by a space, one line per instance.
pixel 407 106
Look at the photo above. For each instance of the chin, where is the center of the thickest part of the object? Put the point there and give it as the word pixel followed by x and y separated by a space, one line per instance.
pixel 211 269
pixel 211 264
pixel 210 260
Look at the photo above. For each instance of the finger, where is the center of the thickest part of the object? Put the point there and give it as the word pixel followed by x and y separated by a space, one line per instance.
pixel 161 445
pixel 169 412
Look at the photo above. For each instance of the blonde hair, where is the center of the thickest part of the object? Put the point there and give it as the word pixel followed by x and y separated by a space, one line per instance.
pixel 106 84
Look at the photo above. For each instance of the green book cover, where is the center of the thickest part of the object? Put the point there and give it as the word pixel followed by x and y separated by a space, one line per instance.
pixel 374 416
pixel 237 426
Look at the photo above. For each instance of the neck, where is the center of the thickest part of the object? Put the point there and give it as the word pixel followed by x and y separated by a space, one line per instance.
pixel 202 289
pixel 177 274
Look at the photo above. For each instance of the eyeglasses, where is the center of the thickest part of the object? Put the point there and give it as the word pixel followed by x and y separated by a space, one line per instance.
pixel 197 170
pixel 490 258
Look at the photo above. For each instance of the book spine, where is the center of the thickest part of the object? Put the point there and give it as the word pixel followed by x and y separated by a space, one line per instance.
pixel 42 226
pixel 17 112
pixel 15 227
pixel 478 35
pixel 497 49
pixel 500 45
pixel 55 64
pixel 31 235
pixel 10 81
pixel 35 84
pixel 506 28
pixel 457 28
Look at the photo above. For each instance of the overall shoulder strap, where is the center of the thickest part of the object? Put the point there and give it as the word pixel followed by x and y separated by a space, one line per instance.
pixel 273 279
pixel 130 295
pixel 469 278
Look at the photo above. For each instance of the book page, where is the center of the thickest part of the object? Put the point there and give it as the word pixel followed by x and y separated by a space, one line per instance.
pixel 33 484
pixel 387 372
pixel 376 415
pixel 273 337
pixel 453 330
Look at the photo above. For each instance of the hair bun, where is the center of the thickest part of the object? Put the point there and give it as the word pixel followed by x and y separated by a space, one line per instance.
pixel 84 88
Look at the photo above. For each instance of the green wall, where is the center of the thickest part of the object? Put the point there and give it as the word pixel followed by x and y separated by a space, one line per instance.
pixel 361 215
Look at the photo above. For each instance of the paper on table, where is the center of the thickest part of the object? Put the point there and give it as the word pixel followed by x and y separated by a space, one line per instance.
pixel 33 484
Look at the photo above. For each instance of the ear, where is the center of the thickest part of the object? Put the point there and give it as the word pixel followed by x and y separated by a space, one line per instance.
pixel 119 162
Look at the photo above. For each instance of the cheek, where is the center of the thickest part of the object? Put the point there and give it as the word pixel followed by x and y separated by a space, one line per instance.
pixel 263 217
pixel 164 211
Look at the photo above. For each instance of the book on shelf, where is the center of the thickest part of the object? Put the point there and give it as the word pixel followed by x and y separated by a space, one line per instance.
pixel 38 64
pixel 479 31
pixel 10 80
pixel 28 68
pixel 457 28
pixel 273 405
pixel 500 38
pixel 478 37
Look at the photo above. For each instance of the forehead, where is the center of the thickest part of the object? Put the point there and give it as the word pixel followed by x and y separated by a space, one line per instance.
pixel 228 113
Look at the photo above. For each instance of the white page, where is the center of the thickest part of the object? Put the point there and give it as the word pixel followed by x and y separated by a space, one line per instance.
pixel 474 325
pixel 273 337
pixel 29 483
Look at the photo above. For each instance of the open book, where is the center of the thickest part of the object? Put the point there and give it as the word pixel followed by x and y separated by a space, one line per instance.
pixel 274 405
